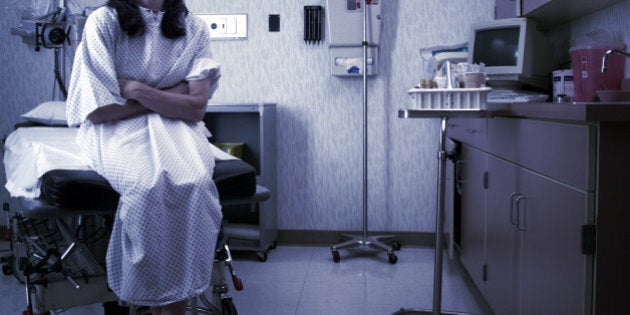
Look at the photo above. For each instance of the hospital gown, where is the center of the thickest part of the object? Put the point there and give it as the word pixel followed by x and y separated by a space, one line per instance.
pixel 162 245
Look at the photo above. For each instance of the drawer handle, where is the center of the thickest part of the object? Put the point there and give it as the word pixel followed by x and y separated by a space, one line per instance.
pixel 513 198
pixel 459 170
pixel 520 223
pixel 471 131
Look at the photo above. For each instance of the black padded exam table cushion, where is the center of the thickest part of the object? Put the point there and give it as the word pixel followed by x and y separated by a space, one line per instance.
pixel 83 189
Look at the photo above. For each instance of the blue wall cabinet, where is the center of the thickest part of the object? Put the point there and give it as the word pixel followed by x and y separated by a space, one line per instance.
pixel 527 189
pixel 249 227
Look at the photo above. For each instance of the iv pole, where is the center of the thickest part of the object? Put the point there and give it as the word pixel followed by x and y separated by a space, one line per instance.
pixel 365 241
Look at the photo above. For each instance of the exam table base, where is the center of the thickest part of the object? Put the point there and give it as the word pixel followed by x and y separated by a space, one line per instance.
pixel 47 228
pixel 50 292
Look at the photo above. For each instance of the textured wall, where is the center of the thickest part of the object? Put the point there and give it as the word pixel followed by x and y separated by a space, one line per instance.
pixel 319 119
pixel 613 20
pixel 318 116
pixel 26 77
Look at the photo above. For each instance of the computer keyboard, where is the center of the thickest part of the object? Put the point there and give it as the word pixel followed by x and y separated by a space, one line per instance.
pixel 508 96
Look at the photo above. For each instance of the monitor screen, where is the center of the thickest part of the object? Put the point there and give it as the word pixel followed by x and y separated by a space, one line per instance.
pixel 497 47
pixel 514 52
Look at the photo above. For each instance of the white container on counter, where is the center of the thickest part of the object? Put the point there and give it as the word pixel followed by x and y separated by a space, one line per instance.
pixel 563 83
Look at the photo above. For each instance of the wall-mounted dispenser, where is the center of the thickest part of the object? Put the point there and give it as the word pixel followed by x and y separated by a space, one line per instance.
pixel 313 24
pixel 345 27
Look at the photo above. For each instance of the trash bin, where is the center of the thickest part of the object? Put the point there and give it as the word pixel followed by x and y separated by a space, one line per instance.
pixel 586 59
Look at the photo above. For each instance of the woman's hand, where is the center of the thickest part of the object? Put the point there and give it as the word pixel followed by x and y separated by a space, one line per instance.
pixel 185 101
pixel 129 87
pixel 113 112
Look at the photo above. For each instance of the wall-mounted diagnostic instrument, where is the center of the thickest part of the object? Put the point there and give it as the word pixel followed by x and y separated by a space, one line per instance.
pixel 346 33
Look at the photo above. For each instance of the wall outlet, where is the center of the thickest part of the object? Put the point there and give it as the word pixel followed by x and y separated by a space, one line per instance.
pixel 226 26
pixel 274 22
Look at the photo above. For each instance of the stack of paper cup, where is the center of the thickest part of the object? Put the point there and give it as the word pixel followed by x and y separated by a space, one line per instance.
pixel 471 79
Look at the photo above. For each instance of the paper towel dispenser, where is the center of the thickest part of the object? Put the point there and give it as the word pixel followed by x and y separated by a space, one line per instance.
pixel 345 27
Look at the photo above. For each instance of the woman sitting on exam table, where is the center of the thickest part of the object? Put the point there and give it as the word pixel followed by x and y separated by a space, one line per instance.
pixel 141 79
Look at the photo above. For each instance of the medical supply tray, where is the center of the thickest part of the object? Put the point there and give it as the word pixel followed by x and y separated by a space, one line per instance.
pixel 444 98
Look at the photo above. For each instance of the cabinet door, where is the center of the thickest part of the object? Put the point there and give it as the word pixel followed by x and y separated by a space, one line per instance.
pixel 531 5
pixel 503 242
pixel 504 9
pixel 563 151
pixel 471 170
pixel 472 131
pixel 534 259
pixel 553 277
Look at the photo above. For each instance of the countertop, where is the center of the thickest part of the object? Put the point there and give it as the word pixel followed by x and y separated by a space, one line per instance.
pixel 578 112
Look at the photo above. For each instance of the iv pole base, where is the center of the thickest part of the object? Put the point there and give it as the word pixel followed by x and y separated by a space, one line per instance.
pixel 375 242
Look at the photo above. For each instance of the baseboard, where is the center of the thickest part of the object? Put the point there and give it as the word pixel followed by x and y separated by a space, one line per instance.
pixel 329 238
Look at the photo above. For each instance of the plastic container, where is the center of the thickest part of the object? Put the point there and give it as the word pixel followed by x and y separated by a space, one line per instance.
pixel 563 84
pixel 587 64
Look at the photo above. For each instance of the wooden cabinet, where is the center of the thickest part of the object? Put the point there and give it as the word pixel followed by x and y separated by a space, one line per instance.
pixel 505 9
pixel 502 242
pixel 549 13
pixel 525 198
pixel 550 216
pixel 534 260
pixel 559 150
pixel 530 5
pixel 552 13
pixel 472 131
pixel 473 212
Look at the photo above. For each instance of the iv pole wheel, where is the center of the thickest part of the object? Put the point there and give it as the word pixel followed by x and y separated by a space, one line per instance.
pixel 396 245
pixel 393 259
pixel 336 256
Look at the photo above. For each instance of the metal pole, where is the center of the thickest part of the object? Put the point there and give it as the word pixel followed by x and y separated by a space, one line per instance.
pixel 439 217
pixel 365 124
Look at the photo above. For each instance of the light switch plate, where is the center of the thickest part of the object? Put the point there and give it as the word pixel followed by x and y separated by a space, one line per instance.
pixel 226 26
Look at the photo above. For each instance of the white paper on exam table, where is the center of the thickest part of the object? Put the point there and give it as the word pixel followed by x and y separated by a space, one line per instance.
pixel 32 151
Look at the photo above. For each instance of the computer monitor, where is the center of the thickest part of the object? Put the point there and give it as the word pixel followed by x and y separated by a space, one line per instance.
pixel 516 55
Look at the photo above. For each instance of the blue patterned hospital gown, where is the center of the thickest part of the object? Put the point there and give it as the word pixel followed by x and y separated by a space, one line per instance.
pixel 162 244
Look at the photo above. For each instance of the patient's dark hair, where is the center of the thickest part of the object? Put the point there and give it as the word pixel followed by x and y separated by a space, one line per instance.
pixel 132 23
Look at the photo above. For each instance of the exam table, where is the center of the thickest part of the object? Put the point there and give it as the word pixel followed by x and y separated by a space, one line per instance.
pixel 61 228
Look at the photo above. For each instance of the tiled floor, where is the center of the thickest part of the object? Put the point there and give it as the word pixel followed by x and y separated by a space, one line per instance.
pixel 305 280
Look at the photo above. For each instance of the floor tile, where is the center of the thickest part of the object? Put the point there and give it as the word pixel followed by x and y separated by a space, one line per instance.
pixel 304 280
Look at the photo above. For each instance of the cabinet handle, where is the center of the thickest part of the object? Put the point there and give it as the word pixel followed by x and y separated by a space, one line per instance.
pixel 459 180
pixel 471 131
pixel 520 223
pixel 513 198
